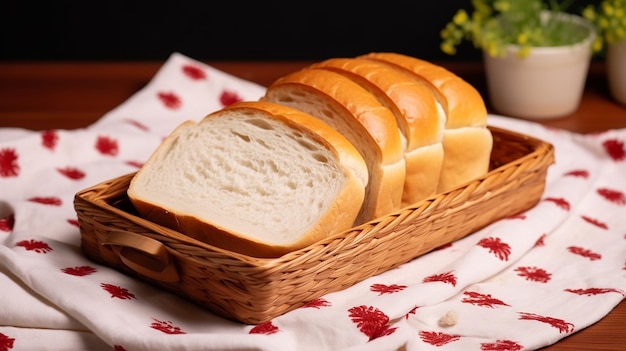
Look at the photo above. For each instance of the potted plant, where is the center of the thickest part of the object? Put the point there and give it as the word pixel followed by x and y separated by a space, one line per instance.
pixel 609 16
pixel 536 55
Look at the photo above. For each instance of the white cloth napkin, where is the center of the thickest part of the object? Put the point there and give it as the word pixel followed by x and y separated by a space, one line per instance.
pixel 521 283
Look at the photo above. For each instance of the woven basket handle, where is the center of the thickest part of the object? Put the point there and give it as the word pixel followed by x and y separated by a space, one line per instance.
pixel 143 255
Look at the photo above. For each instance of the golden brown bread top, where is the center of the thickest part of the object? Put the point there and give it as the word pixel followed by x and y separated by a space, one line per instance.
pixel 374 118
pixel 463 103
pixel 412 102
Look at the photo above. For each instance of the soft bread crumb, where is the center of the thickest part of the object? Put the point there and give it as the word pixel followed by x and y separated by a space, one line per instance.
pixel 447 320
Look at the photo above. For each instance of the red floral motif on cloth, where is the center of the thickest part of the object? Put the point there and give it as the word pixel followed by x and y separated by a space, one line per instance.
pixel 107 146
pixel 6 343
pixel 560 202
pixel 497 247
pixel 578 173
pixel 50 200
pixel 615 149
pixel 447 278
pixel 79 271
pixel 6 223
pixel 35 245
pixel 614 196
pixel 501 345
pixel 72 173
pixel 595 222
pixel 584 253
pixel 49 139
pixel 266 328
pixel 382 289
pixel 169 100
pixel 166 327
pixel 540 241
pixel 595 291
pixel 371 321
pixel 317 303
pixel 8 163
pixel 534 274
pixel 437 338
pixel 117 291
pixel 194 72
pixel 229 97
pixel 561 325
pixel 483 300
pixel 138 124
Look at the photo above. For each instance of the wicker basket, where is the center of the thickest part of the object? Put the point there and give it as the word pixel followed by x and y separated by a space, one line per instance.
pixel 254 290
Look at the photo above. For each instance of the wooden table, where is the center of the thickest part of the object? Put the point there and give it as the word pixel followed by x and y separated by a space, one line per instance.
pixel 67 95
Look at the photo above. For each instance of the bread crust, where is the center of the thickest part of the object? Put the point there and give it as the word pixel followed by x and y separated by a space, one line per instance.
pixel 465 113
pixel 367 117
pixel 338 217
pixel 417 114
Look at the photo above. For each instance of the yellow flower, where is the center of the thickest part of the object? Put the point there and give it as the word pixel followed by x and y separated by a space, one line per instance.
pixel 460 17
pixel 448 48
pixel 522 38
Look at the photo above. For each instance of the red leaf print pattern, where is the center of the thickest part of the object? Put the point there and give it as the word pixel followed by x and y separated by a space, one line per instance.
pixel 517 216
pixel 79 271
pixel 35 245
pixel 52 201
pixel 229 97
pixel 595 222
pixel 584 253
pixel 615 149
pixel 135 164
pixel 107 146
pixel 73 222
pixel 437 338
pixel 613 196
pixel 562 203
pixel 194 72
pixel 166 327
pixel 578 173
pixel 382 289
pixel 371 321
pixel 501 345
pixel 119 348
pixel 447 278
pixel 138 125
pixel 266 328
pixel 561 325
pixel 317 303
pixel 540 241
pixel 483 300
pixel 595 291
pixel 6 343
pixel 501 249
pixel 412 311
pixel 49 139
pixel 117 291
pixel 170 100
pixel 72 173
pixel 8 163
pixel 6 223
pixel 534 274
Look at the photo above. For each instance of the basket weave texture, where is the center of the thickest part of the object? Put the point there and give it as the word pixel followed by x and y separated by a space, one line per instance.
pixel 254 290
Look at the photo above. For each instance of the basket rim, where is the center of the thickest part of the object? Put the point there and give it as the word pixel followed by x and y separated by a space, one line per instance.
pixel 538 146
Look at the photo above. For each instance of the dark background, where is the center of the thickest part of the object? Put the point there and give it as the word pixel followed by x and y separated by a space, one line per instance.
pixel 226 30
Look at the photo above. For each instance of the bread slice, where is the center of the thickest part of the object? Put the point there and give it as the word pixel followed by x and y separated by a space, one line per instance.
pixel 418 114
pixel 256 178
pixel 362 119
pixel 467 141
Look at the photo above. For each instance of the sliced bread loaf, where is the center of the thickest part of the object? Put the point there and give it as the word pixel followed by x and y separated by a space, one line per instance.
pixel 420 118
pixel 361 118
pixel 255 177
pixel 467 141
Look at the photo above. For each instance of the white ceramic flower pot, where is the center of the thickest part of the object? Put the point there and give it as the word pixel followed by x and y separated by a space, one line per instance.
pixel 616 70
pixel 548 83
